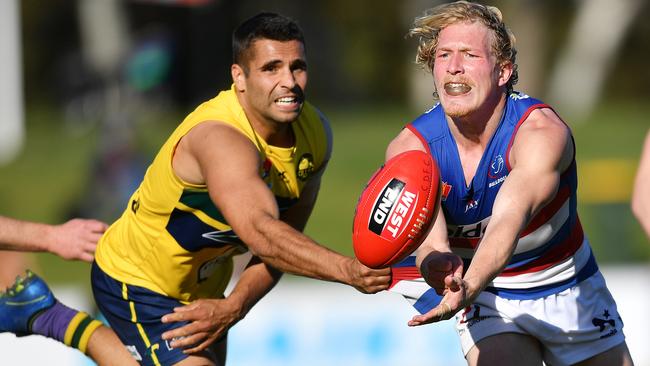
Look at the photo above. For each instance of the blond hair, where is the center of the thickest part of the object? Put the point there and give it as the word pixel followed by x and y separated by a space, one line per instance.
pixel 427 28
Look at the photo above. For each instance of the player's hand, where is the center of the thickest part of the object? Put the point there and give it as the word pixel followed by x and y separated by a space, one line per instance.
pixel 76 239
pixel 455 299
pixel 209 320
pixel 368 280
pixel 438 269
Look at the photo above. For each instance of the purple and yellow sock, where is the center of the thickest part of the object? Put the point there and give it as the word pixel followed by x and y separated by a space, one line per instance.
pixel 66 325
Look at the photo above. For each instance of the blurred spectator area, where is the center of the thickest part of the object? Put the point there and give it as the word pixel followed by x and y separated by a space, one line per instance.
pixel 106 80
pixel 356 49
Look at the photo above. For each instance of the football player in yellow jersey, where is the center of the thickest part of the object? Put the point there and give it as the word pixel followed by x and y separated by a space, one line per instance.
pixel 257 152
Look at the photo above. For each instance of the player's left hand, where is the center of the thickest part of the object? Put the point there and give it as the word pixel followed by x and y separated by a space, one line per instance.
pixel 209 320
pixel 455 299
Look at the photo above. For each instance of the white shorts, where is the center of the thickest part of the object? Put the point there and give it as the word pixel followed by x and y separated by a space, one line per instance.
pixel 573 325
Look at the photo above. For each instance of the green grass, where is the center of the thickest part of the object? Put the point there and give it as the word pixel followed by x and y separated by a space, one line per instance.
pixel 52 174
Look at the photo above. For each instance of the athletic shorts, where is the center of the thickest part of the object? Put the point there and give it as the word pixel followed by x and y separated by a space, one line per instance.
pixel 572 326
pixel 134 313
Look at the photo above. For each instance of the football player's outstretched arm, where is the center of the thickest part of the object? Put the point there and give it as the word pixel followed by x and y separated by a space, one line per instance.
pixel 229 163
pixel 74 239
pixel 542 150
pixel 437 264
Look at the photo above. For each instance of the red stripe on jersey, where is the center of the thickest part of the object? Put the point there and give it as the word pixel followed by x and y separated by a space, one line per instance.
pixel 417 133
pixel 548 211
pixel 557 254
pixel 404 273
pixel 519 123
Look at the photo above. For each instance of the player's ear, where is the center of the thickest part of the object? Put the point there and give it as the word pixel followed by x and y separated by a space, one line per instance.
pixel 505 72
pixel 238 77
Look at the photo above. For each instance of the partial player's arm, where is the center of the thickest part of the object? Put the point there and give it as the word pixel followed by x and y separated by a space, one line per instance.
pixel 435 260
pixel 210 319
pixel 641 193
pixel 229 163
pixel 541 151
pixel 75 239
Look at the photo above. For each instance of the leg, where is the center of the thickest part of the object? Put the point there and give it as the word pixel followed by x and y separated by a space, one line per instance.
pixel 134 314
pixel 29 307
pixel 13 265
pixel 618 355
pixel 506 349
pixel 107 350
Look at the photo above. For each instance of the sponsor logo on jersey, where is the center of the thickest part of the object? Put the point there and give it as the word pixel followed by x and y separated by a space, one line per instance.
pixel 305 166
pixel 446 189
pixel 392 207
pixel 469 231
pixel 471 204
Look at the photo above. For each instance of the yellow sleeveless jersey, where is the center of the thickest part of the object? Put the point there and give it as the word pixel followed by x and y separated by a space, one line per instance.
pixel 171 238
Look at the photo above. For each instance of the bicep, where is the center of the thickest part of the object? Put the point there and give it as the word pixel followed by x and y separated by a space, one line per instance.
pixel 405 141
pixel 542 150
pixel 229 164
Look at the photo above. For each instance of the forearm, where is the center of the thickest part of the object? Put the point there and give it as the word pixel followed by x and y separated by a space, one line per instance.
pixel 24 236
pixel 493 254
pixel 255 282
pixel 279 245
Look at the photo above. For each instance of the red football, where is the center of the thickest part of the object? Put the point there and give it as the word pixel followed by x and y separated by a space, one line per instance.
pixel 396 209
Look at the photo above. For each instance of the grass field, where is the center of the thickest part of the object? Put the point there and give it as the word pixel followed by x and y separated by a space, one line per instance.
pixel 52 174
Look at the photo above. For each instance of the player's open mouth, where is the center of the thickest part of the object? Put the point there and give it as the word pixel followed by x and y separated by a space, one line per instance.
pixel 454 89
pixel 288 101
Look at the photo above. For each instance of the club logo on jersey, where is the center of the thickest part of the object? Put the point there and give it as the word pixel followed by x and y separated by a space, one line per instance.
pixel 305 166
pixel 497 170
pixel 446 189
pixel 392 207
pixel 496 167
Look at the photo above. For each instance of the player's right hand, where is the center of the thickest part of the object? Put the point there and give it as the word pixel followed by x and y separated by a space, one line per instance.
pixel 209 320
pixel 368 280
pixel 439 268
